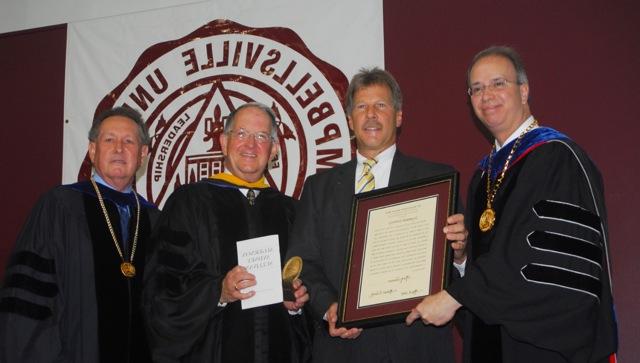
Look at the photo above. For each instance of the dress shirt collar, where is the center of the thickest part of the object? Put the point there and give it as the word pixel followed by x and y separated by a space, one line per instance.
pixel 383 157
pixel 381 170
pixel 523 126
pixel 242 189
pixel 99 179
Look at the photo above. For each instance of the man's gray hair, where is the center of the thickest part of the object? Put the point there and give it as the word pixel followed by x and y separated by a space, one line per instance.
pixel 369 77
pixel 228 126
pixel 133 115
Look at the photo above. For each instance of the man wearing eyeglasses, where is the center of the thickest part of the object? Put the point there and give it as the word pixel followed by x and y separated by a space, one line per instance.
pixel 192 300
pixel 538 282
pixel 320 234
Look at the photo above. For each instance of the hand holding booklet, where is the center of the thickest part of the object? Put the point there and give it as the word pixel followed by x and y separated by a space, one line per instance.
pixel 261 257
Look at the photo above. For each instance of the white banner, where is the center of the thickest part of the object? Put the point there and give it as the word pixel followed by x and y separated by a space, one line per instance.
pixel 185 68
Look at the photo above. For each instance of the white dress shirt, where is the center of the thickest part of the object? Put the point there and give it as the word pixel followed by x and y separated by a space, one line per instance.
pixel 381 170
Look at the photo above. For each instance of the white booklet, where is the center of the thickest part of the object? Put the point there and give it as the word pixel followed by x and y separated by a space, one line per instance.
pixel 261 257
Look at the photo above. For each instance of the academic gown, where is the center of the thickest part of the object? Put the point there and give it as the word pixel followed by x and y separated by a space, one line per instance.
pixel 64 298
pixel 194 246
pixel 538 283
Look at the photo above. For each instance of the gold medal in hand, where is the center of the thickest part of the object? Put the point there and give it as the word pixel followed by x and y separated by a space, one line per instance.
pixel 290 272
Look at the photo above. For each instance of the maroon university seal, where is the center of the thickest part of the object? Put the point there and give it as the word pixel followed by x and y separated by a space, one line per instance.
pixel 185 88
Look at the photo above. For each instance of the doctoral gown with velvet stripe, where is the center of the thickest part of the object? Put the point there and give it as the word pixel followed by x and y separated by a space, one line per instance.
pixel 538 283
pixel 64 298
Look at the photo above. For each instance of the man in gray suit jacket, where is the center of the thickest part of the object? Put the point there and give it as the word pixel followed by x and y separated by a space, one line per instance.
pixel 320 233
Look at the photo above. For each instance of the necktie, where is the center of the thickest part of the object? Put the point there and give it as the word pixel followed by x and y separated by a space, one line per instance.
pixel 125 216
pixel 366 181
pixel 251 196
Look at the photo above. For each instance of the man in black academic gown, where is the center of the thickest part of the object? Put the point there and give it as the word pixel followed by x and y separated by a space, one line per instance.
pixel 73 285
pixel 539 283
pixel 321 231
pixel 194 283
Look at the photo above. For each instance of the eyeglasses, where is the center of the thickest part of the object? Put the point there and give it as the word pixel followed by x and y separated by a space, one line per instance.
pixel 497 84
pixel 244 135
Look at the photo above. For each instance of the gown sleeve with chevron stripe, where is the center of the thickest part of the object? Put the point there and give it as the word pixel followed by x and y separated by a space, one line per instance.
pixel 538 283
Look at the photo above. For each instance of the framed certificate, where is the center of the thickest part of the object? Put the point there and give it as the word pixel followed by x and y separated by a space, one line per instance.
pixel 397 252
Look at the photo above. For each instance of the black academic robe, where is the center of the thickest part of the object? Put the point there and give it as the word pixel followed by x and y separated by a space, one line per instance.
pixel 538 283
pixel 193 248
pixel 64 298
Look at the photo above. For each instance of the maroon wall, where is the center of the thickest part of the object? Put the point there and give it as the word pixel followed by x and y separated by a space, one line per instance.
pixel 582 59
pixel 32 99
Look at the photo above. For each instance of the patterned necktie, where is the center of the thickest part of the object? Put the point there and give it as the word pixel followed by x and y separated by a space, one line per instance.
pixel 366 181
pixel 251 195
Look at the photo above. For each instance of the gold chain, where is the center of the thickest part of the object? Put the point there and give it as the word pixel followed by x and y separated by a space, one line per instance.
pixel 488 217
pixel 127 268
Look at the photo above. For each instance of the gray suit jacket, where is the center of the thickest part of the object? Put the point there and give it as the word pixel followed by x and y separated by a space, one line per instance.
pixel 320 237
